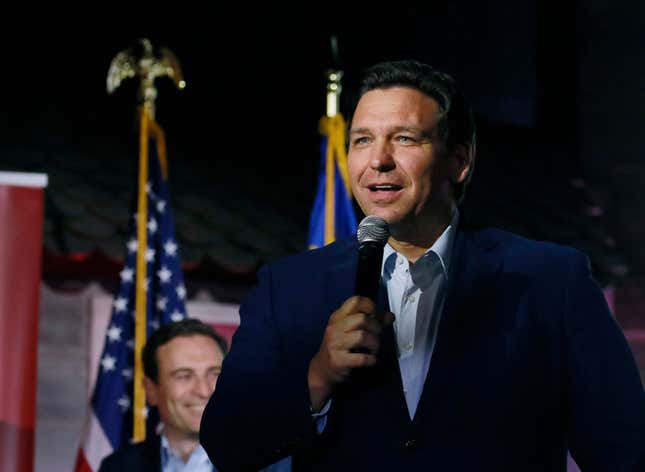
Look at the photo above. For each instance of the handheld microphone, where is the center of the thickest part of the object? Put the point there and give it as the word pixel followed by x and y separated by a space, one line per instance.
pixel 372 234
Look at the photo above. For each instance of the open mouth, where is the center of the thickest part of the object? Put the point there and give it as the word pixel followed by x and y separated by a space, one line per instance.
pixel 384 188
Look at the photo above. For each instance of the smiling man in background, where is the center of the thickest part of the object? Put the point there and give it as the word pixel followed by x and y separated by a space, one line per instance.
pixel 182 362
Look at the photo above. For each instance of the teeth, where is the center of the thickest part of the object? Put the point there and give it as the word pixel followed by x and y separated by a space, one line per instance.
pixel 385 187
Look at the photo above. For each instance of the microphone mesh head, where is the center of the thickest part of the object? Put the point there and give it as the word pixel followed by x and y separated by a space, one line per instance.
pixel 373 228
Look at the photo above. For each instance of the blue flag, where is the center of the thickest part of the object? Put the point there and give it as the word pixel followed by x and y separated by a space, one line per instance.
pixel 332 216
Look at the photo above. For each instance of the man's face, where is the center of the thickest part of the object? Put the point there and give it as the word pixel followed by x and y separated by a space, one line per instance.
pixel 188 367
pixel 397 161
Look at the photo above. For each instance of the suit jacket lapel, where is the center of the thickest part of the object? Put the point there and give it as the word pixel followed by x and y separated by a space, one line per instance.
pixel 152 453
pixel 474 267
pixel 339 280
pixel 389 355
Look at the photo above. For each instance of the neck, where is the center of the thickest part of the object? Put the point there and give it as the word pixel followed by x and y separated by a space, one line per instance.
pixel 414 240
pixel 182 444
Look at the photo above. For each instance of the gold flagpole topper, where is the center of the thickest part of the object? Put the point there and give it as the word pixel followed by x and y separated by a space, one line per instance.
pixel 148 67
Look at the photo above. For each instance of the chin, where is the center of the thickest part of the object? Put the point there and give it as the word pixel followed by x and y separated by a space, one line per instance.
pixel 192 428
pixel 388 215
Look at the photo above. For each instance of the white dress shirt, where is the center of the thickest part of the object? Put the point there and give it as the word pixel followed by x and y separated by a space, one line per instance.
pixel 416 294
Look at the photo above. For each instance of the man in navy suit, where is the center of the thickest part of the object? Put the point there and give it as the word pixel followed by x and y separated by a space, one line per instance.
pixel 181 362
pixel 485 351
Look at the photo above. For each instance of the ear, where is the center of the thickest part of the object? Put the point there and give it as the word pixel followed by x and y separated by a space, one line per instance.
pixel 461 163
pixel 152 391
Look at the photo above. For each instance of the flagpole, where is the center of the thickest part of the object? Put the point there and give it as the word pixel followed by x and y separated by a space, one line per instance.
pixel 147 67
pixel 333 126
pixel 333 95
pixel 139 403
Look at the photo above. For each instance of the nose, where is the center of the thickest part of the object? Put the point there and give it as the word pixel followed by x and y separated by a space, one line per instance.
pixel 204 387
pixel 382 159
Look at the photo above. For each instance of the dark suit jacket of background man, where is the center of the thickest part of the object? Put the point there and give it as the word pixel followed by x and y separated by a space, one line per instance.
pixel 141 457
pixel 528 362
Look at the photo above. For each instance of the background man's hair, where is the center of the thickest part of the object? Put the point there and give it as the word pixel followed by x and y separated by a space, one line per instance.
pixel 168 332
pixel 457 124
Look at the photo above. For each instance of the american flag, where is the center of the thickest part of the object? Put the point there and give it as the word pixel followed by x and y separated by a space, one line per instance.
pixel 110 420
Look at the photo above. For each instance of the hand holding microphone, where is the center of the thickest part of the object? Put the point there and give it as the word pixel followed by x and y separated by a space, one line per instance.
pixel 352 336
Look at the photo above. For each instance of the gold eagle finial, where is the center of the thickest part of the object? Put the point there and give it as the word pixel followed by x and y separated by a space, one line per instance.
pixel 145 64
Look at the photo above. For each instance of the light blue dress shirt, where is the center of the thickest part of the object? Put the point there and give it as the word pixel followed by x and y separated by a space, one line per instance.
pixel 416 294
pixel 197 461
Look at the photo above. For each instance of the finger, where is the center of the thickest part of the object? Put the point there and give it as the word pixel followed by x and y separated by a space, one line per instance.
pixel 364 305
pixel 361 321
pixel 353 360
pixel 358 321
pixel 355 304
pixel 372 323
pixel 360 341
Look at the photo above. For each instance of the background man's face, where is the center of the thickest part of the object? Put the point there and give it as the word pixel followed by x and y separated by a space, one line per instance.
pixel 188 368
pixel 396 159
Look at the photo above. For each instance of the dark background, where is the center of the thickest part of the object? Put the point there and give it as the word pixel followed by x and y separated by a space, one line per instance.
pixel 557 89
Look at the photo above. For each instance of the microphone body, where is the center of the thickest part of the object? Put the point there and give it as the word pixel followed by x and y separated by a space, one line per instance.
pixel 372 234
pixel 368 271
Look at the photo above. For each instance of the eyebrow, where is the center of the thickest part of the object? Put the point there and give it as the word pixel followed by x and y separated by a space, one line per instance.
pixel 359 131
pixel 395 129
pixel 188 369
pixel 410 129
pixel 180 370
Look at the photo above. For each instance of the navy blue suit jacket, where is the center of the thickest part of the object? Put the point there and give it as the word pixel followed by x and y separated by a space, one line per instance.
pixel 528 363
pixel 144 457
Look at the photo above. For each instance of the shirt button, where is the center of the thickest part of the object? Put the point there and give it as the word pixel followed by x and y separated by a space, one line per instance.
pixel 411 298
pixel 408 346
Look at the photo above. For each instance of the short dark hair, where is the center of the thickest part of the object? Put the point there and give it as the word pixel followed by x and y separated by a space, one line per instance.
pixel 166 333
pixel 457 124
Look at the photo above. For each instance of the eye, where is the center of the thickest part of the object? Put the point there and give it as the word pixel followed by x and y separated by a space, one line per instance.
pixel 183 376
pixel 405 139
pixel 361 140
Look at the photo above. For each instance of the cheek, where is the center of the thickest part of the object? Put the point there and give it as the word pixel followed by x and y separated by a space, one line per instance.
pixel 357 161
pixel 174 406
pixel 175 394
pixel 421 176
pixel 353 170
pixel 355 175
